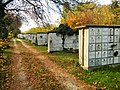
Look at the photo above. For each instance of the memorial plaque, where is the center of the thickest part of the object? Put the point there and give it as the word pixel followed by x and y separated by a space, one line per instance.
pixel 91 62
pixel 98 39
pixel 105 31
pixel 110 38
pixel 110 60
pixel 98 54
pixel 117 31
pixel 104 46
pixel 92 31
pixel 92 47
pixel 116 59
pixel 116 46
pixel 98 62
pixel 110 31
pixel 98 47
pixel 110 46
pixel 92 39
pixel 116 39
pixel 98 31
pixel 104 54
pixel 110 53
pixel 104 61
pixel 91 55
pixel 104 38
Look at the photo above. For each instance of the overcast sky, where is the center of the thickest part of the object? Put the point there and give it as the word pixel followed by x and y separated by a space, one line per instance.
pixel 55 18
pixel 105 1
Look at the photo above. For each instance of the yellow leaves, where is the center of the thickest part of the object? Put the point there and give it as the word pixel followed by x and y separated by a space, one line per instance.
pixel 89 13
pixel 80 18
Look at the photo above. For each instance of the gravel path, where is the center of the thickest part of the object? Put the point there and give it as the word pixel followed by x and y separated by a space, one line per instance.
pixel 69 81
pixel 19 78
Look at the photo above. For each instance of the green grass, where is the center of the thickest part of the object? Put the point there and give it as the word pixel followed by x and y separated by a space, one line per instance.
pixel 107 77
pixel 62 58
pixel 104 78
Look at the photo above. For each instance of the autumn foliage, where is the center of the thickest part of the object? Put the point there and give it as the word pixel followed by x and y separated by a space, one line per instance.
pixel 88 13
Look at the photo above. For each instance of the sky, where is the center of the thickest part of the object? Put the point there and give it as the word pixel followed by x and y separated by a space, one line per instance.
pixel 55 18
pixel 104 1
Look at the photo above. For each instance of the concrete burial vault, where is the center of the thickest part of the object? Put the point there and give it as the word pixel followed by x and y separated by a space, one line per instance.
pixel 99 45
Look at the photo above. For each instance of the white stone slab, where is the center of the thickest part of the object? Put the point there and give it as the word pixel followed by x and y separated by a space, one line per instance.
pixel 105 31
pixel 110 31
pixel 92 31
pixel 92 47
pixel 92 39
pixel 104 46
pixel 110 38
pixel 110 53
pixel 98 62
pixel 116 59
pixel 117 31
pixel 116 39
pixel 92 62
pixel 98 54
pixel 98 31
pixel 91 55
pixel 104 54
pixel 110 60
pixel 98 39
pixel 104 38
pixel 98 47
pixel 104 61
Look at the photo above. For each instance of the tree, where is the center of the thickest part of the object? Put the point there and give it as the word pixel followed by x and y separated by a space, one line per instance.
pixel 41 29
pixel 12 24
pixel 88 13
pixel 37 9
pixel 115 8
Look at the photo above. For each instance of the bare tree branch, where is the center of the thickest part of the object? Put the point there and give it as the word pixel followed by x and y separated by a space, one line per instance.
pixel 7 2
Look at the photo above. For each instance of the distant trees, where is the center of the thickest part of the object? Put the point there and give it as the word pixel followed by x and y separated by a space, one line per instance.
pixel 46 28
pixel 91 13
pixel 115 8
pixel 12 24
pixel 9 23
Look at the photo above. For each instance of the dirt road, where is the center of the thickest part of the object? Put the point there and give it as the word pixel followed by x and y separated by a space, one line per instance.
pixel 22 76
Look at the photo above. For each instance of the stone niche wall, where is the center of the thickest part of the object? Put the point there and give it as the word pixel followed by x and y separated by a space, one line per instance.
pixel 33 38
pixel 42 38
pixel 20 36
pixel 71 42
pixel 99 46
pixel 54 42
pixel 26 36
